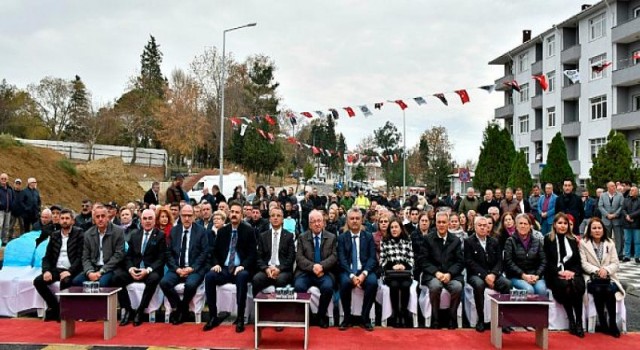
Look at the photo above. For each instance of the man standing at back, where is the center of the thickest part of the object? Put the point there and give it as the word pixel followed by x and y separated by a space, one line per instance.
pixel 152 196
pixel 610 206
pixel 547 208
pixel 7 197
pixel 316 258
pixel 186 263
pixel 358 263
pixel 32 204
pixel 570 203
pixel 469 202
pixel 174 193
pixel 232 260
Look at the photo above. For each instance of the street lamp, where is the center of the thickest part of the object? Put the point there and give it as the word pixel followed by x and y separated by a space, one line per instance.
pixel 222 85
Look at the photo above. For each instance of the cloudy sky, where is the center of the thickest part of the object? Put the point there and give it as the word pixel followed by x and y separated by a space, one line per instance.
pixel 329 54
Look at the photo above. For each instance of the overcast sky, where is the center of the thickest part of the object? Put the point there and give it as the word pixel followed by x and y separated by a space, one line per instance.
pixel 329 54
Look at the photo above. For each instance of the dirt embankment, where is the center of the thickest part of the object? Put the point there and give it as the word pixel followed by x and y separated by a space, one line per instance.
pixel 62 182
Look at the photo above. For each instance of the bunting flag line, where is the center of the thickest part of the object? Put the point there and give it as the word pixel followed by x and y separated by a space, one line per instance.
pixel 513 85
pixel 334 113
pixel 315 150
pixel 307 114
pixel 401 104
pixel 488 88
pixel 365 110
pixel 601 66
pixel 243 129
pixel 378 105
pixel 464 96
pixel 247 120
pixel 270 137
pixel 573 75
pixel 420 101
pixel 269 120
pixel 441 97
pixel 350 112
pixel 261 132
pixel 542 80
pixel 636 55
pixel 235 121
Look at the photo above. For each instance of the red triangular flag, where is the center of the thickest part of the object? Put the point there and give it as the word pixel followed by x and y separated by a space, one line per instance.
pixel 542 80
pixel 464 96
pixel 315 150
pixel 513 84
pixel 292 140
pixel 636 55
pixel 235 121
pixel 350 111
pixel 601 66
pixel 307 114
pixel 269 119
pixel 401 103
pixel 270 136
pixel 261 132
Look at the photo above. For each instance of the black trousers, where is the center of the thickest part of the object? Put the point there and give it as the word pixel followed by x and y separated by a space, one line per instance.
pixel 261 281
pixel 122 279
pixel 501 284
pixel 213 279
pixel 43 287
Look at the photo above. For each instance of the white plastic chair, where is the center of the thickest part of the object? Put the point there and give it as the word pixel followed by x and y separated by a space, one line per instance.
pixel 445 303
pixel 135 291
pixel 226 300
pixel 558 319
pixel 196 305
pixel 592 315
pixel 315 302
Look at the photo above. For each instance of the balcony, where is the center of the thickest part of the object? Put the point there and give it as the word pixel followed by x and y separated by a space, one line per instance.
pixel 536 68
pixel 626 32
pixel 575 166
pixel 500 82
pixel 626 121
pixel 571 55
pixel 504 112
pixel 571 129
pixel 626 76
pixel 536 135
pixel 535 169
pixel 536 102
pixel 571 92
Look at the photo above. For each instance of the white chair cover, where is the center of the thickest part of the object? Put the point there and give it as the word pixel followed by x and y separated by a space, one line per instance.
pixel 592 315
pixel 226 300
pixel 315 302
pixel 445 302
pixel 196 305
pixel 135 291
pixel 470 305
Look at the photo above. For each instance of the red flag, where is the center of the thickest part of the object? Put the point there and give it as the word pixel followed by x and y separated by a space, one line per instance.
pixel 350 158
pixel 307 114
pixel 350 112
pixel 315 150
pixel 292 140
pixel 235 121
pixel 464 96
pixel 601 66
pixel 261 132
pixel 542 80
pixel 270 136
pixel 513 84
pixel 636 55
pixel 269 119
pixel 401 103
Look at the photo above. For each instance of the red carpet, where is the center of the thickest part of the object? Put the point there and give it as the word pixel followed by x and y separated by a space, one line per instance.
pixel 32 331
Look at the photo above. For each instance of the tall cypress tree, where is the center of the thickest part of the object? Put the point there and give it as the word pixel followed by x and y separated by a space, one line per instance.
pixel 612 163
pixel 151 79
pixel 520 176
pixel 79 111
pixel 557 168
pixel 496 155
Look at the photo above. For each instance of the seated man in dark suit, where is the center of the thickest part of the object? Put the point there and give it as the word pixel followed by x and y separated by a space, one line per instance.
pixel 103 250
pixel 358 261
pixel 276 254
pixel 232 260
pixel 186 263
pixel 483 260
pixel 61 262
pixel 144 262
pixel 316 258
pixel 441 262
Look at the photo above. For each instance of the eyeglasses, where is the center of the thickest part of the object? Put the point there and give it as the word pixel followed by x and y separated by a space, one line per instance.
pixel 383 221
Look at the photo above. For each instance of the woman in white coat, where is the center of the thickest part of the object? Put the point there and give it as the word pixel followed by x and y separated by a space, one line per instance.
pixel 600 264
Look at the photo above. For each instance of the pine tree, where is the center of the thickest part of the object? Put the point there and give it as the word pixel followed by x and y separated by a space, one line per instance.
pixel 612 163
pixel 557 168
pixel 79 111
pixel 151 79
pixel 496 156
pixel 520 177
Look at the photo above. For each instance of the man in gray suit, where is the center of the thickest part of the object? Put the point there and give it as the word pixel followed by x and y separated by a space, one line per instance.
pixel 610 206
pixel 103 250
pixel 316 259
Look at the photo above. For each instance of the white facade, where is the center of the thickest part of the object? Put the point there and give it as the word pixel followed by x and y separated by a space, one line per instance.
pixel 583 112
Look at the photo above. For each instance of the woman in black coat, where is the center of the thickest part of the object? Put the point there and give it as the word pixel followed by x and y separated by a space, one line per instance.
pixel 396 260
pixel 564 271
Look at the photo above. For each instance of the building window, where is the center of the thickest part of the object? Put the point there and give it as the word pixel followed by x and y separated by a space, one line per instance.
pixel 635 103
pixel 523 62
pixel 636 148
pixel 635 57
pixel 551 117
pixel 551 80
pixel 596 62
pixel 598 107
pixel 551 46
pixel 636 12
pixel 525 150
pixel 524 124
pixel 595 145
pixel 524 92
pixel 597 26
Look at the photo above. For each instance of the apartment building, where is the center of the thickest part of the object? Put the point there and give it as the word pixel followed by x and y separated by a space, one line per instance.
pixel 599 48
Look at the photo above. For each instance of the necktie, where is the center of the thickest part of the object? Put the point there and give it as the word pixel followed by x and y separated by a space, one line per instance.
pixel 274 249
pixel 354 254
pixel 144 247
pixel 183 249
pixel 316 251
pixel 232 250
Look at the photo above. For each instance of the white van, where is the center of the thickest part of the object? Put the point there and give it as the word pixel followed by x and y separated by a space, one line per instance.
pixel 230 181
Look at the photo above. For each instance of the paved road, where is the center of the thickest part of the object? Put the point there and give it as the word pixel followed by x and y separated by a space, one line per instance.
pixel 629 274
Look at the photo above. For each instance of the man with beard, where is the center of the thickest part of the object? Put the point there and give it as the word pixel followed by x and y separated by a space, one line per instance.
pixel 174 193
pixel 62 262
pixel 570 203
pixel 83 220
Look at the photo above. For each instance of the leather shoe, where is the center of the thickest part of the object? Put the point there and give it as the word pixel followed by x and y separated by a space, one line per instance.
pixel 344 325
pixel 324 322
pixel 506 330
pixel 453 325
pixel 614 331
pixel 435 325
pixel 175 318
pixel 239 326
pixel 137 319
pixel 367 326
pixel 52 315
pixel 480 327
pixel 126 317
pixel 213 323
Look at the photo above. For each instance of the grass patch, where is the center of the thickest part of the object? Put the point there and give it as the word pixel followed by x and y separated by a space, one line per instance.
pixel 67 166
pixel 7 141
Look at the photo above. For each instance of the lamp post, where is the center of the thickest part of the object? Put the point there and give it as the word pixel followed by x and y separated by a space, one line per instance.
pixel 404 157
pixel 222 85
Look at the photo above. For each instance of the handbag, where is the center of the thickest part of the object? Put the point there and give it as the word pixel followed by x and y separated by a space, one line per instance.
pixel 397 275
pixel 597 285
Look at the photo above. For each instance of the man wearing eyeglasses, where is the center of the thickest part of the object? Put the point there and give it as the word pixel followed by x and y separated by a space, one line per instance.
pixel 83 220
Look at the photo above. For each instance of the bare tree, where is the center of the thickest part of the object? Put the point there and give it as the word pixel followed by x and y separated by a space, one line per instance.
pixel 53 97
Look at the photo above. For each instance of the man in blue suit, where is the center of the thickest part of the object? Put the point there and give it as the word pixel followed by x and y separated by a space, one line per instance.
pixel 186 263
pixel 547 209
pixel 357 259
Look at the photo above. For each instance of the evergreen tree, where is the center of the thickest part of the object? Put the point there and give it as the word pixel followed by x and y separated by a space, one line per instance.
pixel 614 162
pixel 151 79
pixel 496 155
pixel 557 168
pixel 342 150
pixel 79 111
pixel 359 173
pixel 520 175
pixel 387 139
